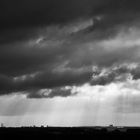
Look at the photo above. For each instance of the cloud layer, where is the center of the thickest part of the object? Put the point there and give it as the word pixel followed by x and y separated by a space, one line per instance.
pixel 47 48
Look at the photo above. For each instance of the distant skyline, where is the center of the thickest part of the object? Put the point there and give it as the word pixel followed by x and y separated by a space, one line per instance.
pixel 70 62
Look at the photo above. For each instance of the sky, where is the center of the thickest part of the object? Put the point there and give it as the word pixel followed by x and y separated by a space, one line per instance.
pixel 70 62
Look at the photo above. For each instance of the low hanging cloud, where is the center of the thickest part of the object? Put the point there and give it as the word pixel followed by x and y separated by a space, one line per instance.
pixel 115 73
pixel 50 93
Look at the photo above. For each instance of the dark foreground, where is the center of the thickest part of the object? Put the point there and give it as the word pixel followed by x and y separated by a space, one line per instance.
pixel 69 133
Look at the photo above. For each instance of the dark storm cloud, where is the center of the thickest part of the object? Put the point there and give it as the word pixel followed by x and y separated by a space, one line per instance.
pixel 40 12
pixel 112 6
pixel 47 64
pixel 43 80
pixel 56 92
pixel 19 20
pixel 44 44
